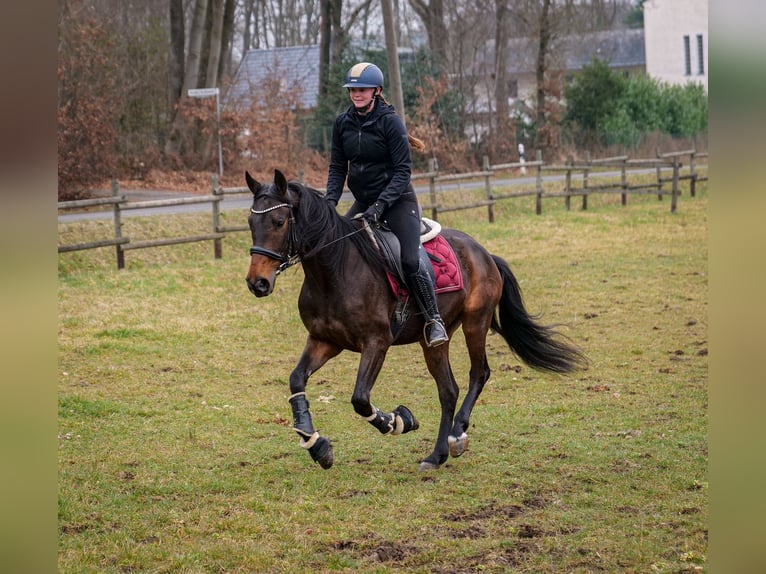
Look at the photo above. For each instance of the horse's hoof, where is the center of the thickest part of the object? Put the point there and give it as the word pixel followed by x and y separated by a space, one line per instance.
pixel 409 422
pixel 426 466
pixel 457 446
pixel 322 452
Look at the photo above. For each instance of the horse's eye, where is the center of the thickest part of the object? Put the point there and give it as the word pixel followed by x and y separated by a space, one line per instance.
pixel 279 223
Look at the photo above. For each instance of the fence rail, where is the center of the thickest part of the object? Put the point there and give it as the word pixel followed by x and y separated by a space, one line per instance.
pixel 572 169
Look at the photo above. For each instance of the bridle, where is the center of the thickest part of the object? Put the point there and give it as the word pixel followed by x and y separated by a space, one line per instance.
pixel 292 257
pixel 286 261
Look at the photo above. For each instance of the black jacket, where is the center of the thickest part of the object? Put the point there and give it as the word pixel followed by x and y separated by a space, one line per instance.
pixel 373 152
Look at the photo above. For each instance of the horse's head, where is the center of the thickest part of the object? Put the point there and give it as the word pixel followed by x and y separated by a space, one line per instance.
pixel 272 228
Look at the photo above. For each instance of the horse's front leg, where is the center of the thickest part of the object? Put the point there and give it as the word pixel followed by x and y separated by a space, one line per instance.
pixel 315 354
pixel 400 420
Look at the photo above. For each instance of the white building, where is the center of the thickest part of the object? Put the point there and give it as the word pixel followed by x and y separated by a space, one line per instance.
pixel 676 40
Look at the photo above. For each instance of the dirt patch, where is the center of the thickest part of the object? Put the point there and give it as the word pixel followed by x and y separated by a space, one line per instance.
pixel 536 501
pixel 471 532
pixel 393 552
pixel 73 528
pixel 377 550
pixel 345 545
pixel 530 531
pixel 353 494
pixel 489 511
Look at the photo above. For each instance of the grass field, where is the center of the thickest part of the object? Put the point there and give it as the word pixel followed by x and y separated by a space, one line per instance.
pixel 176 452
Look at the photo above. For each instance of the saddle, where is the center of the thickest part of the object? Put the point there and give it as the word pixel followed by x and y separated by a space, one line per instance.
pixel 448 275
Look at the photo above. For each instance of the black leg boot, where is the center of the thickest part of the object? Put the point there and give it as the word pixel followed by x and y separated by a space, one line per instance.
pixel 421 285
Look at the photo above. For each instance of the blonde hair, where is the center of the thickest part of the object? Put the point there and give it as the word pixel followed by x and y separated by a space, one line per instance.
pixel 415 143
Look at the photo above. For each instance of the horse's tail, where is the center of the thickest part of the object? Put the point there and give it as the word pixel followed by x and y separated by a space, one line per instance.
pixel 539 346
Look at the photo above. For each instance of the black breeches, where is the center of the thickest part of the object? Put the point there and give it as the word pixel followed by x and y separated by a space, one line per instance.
pixel 403 218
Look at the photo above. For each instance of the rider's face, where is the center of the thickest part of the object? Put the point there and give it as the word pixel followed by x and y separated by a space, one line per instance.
pixel 361 96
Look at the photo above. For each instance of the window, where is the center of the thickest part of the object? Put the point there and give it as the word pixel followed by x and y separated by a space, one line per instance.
pixel 687 56
pixel 700 56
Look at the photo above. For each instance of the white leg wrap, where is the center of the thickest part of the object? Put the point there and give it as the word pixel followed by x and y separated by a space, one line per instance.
pixel 373 415
pixel 310 442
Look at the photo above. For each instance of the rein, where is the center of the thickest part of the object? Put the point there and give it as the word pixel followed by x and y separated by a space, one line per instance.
pixel 287 261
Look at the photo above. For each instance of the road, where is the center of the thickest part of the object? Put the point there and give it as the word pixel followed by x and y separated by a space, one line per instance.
pixel 243 202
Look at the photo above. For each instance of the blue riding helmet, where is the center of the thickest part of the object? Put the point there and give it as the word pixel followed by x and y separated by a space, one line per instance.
pixel 364 75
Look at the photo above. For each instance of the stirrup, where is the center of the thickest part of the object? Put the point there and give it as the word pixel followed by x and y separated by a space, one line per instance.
pixel 435 333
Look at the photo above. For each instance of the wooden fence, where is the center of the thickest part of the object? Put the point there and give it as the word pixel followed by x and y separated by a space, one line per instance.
pixel 572 170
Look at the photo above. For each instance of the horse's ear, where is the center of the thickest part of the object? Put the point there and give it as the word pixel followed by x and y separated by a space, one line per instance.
pixel 280 181
pixel 251 183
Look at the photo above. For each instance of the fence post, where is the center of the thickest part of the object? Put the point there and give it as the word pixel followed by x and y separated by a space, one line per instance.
pixel 488 187
pixel 659 175
pixel 118 225
pixel 539 182
pixel 432 168
pixel 624 182
pixel 674 192
pixel 585 174
pixel 216 207
pixel 568 183
pixel 692 173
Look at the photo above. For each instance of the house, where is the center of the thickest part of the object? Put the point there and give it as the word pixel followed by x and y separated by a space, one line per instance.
pixel 623 50
pixel 295 68
pixel 677 40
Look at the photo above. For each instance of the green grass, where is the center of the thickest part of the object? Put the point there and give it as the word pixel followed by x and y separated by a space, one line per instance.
pixel 175 448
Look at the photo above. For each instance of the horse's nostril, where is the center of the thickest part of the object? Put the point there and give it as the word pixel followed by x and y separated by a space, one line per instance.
pixel 259 288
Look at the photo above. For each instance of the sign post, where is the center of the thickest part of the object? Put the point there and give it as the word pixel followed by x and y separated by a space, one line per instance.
pixel 208 93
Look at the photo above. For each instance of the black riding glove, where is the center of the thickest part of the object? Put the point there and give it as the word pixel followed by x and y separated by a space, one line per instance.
pixel 332 202
pixel 374 213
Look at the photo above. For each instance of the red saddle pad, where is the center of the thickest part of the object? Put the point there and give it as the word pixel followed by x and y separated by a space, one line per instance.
pixel 449 276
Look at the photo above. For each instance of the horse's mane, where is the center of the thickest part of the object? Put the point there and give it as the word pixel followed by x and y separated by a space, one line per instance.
pixel 319 225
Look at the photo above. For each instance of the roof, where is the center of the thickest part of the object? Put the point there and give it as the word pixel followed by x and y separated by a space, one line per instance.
pixel 619 48
pixel 295 68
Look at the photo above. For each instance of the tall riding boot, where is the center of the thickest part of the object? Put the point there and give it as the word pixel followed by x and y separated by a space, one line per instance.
pixel 421 285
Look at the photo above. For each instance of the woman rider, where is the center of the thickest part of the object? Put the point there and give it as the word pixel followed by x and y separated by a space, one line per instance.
pixel 371 148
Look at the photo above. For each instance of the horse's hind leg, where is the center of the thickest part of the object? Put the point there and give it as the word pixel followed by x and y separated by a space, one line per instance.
pixel 315 354
pixel 437 361
pixel 479 375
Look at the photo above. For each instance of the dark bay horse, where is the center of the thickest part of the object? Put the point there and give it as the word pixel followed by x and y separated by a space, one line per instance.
pixel 346 303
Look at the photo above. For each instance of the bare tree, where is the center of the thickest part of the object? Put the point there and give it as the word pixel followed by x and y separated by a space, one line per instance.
pixel 196 41
pixel 546 31
pixel 330 38
pixel 502 35
pixel 214 43
pixel 431 14
pixel 177 46
pixel 227 40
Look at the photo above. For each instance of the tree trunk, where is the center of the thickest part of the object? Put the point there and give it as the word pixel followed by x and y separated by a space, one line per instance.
pixel 540 65
pixel 227 37
pixel 338 35
pixel 191 76
pixel 432 15
pixel 196 40
pixel 392 52
pixel 325 36
pixel 214 43
pixel 177 46
pixel 501 62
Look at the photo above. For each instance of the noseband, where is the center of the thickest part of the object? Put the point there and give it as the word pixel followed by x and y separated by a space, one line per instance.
pixel 286 261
